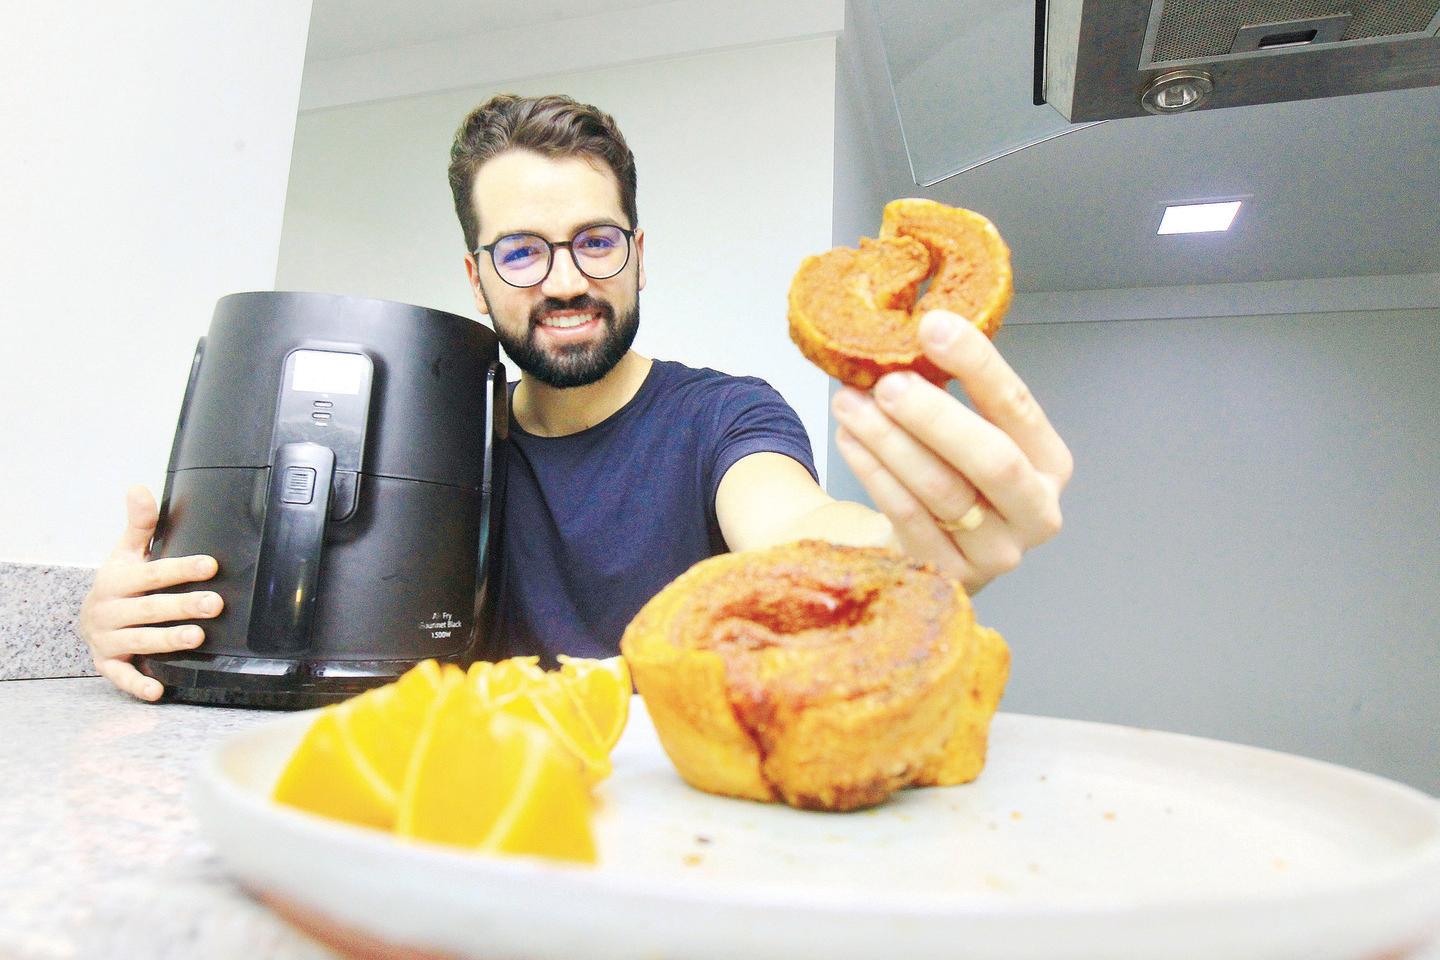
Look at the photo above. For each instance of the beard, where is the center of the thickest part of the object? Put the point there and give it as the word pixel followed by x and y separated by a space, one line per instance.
pixel 573 365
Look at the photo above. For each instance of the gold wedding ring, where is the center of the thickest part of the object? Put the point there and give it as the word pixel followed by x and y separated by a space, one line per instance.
pixel 966 522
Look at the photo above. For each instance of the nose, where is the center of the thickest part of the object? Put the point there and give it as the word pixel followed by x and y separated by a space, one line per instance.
pixel 565 281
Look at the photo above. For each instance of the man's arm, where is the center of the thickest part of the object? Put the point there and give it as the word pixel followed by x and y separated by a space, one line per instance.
pixel 769 498
pixel 967 491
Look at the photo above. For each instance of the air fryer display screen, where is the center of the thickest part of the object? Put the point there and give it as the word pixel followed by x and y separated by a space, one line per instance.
pixel 320 371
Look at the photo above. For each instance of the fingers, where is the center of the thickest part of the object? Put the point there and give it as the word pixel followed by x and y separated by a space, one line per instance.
pixel 914 524
pixel 912 426
pixel 114 619
pixel 128 642
pixel 974 556
pixel 945 493
pixel 999 394
pixel 130 579
pixel 967 490
pixel 119 613
pixel 132 681
pixel 990 547
pixel 141 515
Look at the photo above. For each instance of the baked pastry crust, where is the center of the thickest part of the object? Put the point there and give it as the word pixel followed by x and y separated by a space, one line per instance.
pixel 821 675
pixel 854 312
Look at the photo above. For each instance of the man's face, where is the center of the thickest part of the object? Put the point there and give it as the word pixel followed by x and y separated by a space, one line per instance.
pixel 524 192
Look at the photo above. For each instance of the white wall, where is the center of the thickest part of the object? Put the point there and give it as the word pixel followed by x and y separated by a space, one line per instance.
pixel 858 196
pixel 734 151
pixel 144 168
pixel 1250 548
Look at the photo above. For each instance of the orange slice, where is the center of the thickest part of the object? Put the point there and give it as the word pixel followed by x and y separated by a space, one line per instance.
pixel 504 677
pixel 385 722
pixel 484 780
pixel 478 674
pixel 329 775
pixel 545 701
pixel 601 688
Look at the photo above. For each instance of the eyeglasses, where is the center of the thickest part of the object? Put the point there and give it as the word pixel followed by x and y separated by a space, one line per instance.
pixel 524 259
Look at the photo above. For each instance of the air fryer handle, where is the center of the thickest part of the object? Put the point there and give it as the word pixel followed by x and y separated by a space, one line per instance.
pixel 492 484
pixel 162 526
pixel 497 427
pixel 288 570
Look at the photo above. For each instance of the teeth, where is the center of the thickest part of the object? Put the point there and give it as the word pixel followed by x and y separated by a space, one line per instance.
pixel 571 320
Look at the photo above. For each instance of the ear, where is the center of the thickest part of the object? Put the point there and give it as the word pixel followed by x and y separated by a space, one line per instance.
pixel 472 273
pixel 640 258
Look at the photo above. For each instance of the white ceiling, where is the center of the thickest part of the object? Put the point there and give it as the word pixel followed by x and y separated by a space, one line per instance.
pixel 1336 187
pixel 346 28
pixel 1333 187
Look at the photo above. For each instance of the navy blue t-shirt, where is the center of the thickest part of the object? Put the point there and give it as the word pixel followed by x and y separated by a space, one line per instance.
pixel 598 521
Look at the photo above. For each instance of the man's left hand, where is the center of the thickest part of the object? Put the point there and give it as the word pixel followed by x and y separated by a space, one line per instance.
pixel 967 491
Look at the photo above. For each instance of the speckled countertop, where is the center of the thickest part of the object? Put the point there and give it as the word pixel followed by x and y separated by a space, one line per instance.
pixel 39 604
pixel 100 855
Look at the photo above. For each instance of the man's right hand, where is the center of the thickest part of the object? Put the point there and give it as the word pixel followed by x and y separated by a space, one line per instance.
pixel 115 617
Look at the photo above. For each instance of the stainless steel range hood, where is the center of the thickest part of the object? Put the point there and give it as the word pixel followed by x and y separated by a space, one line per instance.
pixel 1102 57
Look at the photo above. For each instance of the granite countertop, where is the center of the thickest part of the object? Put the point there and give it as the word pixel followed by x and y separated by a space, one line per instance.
pixel 101 856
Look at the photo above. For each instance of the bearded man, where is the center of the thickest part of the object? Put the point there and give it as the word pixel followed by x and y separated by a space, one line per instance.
pixel 623 471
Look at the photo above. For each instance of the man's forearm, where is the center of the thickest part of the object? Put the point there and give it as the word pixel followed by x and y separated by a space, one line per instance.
pixel 841 521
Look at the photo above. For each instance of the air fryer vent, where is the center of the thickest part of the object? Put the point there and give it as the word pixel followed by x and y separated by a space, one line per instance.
pixel 1186 30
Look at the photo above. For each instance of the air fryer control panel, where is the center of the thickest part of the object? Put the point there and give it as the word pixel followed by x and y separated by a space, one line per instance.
pixel 325 399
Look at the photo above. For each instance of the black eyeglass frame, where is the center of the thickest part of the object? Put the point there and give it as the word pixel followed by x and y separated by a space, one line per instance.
pixel 550 248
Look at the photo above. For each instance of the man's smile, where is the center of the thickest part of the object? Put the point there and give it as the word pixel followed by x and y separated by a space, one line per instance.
pixel 571 319
pixel 564 325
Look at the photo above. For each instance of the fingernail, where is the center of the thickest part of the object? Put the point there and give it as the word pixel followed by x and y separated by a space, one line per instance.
pixel 846 402
pixel 937 329
pixel 153 690
pixel 892 386
pixel 201 566
pixel 192 635
pixel 210 603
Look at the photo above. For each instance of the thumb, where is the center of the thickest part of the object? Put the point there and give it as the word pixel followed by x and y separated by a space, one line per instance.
pixel 141 515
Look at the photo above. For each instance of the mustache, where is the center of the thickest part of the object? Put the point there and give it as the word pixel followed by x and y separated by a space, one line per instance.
pixel 582 302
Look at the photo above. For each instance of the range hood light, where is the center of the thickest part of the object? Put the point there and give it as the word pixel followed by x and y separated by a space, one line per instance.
pixel 1177 92
pixel 1199 217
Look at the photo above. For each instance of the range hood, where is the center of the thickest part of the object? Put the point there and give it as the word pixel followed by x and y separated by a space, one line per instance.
pixel 1107 59
pixel 975 80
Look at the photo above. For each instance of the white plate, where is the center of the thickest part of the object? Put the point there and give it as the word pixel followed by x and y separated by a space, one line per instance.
pixel 1080 840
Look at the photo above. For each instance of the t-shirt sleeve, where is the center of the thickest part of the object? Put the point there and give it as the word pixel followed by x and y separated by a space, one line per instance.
pixel 752 417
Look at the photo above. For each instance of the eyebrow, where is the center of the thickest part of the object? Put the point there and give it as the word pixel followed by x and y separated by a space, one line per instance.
pixel 604 222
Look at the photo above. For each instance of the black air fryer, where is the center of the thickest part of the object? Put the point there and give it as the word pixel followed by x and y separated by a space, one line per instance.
pixel 337 456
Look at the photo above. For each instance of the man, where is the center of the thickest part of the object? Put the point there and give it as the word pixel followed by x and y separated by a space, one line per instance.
pixel 623 471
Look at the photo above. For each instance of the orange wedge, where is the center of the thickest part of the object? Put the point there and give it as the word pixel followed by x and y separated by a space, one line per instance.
pixel 517 673
pixel 478 675
pixel 329 775
pixel 385 722
pixel 601 688
pixel 503 677
pixel 484 780
pixel 546 702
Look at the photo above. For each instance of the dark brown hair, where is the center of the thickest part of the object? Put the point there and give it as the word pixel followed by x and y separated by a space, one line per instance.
pixel 555 126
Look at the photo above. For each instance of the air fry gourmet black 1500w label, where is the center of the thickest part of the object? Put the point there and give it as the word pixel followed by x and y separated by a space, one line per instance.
pixel 441 624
